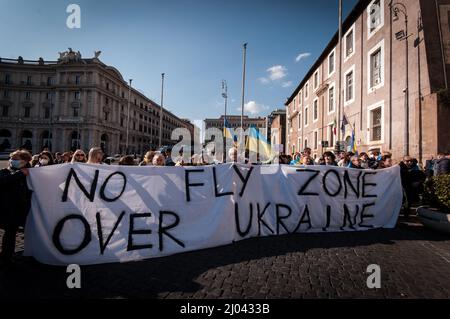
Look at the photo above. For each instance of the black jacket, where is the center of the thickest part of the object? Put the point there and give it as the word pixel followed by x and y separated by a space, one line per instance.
pixel 442 166
pixel 15 198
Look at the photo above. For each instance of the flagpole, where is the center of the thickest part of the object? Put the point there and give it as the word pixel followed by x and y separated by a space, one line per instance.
pixel 161 110
pixel 243 92
pixel 225 96
pixel 340 70
pixel 128 116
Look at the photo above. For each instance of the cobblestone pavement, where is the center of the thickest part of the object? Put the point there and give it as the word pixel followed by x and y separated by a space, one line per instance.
pixel 414 261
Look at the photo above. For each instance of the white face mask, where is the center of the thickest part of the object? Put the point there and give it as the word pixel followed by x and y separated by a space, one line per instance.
pixel 43 161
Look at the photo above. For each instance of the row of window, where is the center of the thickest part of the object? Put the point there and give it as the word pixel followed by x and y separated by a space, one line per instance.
pixel 48 95
pixel 50 80
pixel 235 125
pixel 26 111
pixel 375 79
pixel 77 95
pixel 375 20
pixel 375 124
pixel 7 80
pixel 47 113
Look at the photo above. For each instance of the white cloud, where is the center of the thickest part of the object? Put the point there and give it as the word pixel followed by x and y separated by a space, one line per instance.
pixel 286 84
pixel 302 56
pixel 254 108
pixel 277 72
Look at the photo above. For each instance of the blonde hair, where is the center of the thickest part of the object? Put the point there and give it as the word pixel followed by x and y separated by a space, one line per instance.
pixel 148 158
pixel 75 155
pixel 93 152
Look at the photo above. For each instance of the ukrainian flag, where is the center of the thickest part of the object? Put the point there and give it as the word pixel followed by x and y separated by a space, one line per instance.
pixel 228 132
pixel 353 143
pixel 256 142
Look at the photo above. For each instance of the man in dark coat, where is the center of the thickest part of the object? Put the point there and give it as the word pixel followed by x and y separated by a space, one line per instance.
pixel 168 155
pixel 15 200
pixel 412 181
pixel 442 165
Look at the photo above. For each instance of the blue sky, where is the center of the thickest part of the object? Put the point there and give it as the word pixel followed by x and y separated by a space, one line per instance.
pixel 196 43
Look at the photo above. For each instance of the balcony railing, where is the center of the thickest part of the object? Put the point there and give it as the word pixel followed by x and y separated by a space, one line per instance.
pixel 27 62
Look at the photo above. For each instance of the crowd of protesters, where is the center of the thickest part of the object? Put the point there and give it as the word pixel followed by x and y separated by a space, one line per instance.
pixel 15 197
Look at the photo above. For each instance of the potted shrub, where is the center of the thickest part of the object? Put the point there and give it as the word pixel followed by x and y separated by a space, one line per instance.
pixel 436 213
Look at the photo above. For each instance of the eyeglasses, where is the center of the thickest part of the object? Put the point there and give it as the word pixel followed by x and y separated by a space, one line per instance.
pixel 79 155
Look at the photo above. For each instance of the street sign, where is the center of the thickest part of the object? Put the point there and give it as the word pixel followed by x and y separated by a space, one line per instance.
pixel 339 146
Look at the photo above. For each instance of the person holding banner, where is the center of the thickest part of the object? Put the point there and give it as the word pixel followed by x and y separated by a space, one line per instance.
pixel 329 159
pixel 159 160
pixel 45 159
pixel 233 154
pixel 127 160
pixel 355 162
pixel 78 157
pixel 148 158
pixel 15 201
pixel 307 153
pixel 386 162
pixel 296 160
pixel 95 156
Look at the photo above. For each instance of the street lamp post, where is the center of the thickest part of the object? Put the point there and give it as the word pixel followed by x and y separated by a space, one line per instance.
pixel 403 35
pixel 78 133
pixel 225 97
pixel 128 116
pixel 340 121
pixel 50 129
pixel 78 119
pixel 161 111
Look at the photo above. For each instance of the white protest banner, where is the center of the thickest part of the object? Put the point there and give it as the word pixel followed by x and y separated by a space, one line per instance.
pixel 91 214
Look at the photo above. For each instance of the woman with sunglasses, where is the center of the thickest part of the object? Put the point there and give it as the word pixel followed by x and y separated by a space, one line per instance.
pixel 79 157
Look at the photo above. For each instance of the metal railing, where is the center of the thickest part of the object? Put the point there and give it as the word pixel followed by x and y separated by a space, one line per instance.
pixel 27 62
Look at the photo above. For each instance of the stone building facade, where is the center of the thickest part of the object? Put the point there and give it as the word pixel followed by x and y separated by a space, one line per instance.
pixel 276 124
pixel 235 121
pixel 77 103
pixel 378 107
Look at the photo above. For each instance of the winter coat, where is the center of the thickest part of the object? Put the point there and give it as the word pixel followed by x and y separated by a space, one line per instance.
pixel 442 166
pixel 15 198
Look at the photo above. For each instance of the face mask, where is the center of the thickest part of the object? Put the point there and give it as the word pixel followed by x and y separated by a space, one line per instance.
pixel 43 161
pixel 16 164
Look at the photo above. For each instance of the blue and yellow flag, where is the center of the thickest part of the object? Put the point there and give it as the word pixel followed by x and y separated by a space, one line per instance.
pixel 256 142
pixel 228 132
pixel 353 143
